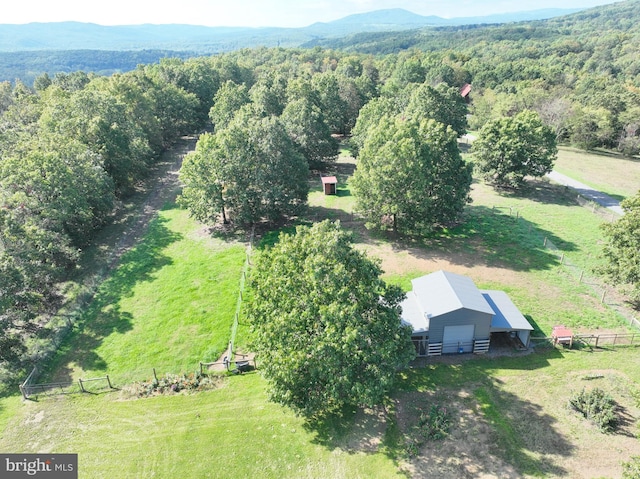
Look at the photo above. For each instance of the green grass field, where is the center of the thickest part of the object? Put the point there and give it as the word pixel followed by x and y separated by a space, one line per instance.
pixel 168 305
pixel 614 174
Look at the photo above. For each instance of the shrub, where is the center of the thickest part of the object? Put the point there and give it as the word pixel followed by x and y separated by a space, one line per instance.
pixel 171 384
pixel 631 468
pixel 597 406
pixel 432 425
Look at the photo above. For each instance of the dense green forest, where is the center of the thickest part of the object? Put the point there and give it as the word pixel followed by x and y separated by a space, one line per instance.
pixel 26 66
pixel 73 145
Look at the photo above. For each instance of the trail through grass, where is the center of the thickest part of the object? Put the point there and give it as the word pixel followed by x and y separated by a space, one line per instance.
pixel 168 305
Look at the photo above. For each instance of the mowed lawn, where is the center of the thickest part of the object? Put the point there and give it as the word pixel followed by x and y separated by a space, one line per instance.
pixel 168 305
pixel 616 175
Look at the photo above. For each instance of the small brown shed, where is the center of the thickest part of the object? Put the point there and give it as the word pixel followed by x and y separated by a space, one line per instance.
pixel 329 184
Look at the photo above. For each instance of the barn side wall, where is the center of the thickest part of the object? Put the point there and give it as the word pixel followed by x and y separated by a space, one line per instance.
pixel 460 317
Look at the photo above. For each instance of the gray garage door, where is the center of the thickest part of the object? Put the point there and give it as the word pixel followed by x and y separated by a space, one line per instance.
pixel 457 338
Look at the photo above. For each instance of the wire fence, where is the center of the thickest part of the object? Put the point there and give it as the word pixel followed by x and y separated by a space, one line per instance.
pixel 582 274
pixel 243 278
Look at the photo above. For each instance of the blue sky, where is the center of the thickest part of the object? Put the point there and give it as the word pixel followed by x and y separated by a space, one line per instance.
pixel 254 13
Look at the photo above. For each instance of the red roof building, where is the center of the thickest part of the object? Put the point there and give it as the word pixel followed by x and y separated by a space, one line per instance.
pixel 562 335
pixel 465 90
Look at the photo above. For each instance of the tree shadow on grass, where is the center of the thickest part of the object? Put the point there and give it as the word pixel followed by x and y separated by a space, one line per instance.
pixel 520 434
pixel 103 315
pixel 543 191
pixel 485 236
pixel 493 433
pixel 357 430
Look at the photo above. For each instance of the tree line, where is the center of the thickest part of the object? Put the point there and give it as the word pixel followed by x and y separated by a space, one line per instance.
pixel 71 148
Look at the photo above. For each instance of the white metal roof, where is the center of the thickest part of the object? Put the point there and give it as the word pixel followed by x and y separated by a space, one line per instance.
pixel 442 292
pixel 412 314
pixel 507 315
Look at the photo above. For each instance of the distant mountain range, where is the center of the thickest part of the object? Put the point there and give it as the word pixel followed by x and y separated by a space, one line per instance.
pixel 200 39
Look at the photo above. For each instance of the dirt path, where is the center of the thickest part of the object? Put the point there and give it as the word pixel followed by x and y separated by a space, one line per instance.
pixel 161 187
pixel 599 197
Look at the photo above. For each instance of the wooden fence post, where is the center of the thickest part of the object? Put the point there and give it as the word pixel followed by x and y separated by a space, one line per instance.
pixel 109 381
pixel 81 386
pixel 155 375
pixel 581 274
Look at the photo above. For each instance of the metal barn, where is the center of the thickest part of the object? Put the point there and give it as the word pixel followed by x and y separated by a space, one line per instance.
pixel 449 314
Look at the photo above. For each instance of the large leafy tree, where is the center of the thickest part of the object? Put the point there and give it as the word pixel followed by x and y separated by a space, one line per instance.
pixel 622 249
pixel 309 131
pixel 335 108
pixel 441 103
pixel 63 186
pixel 509 149
pixel 325 324
pixel 370 115
pixel 227 101
pixel 247 172
pixel 98 119
pixel 410 176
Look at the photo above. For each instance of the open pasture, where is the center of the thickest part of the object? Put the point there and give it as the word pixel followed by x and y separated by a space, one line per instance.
pixel 613 174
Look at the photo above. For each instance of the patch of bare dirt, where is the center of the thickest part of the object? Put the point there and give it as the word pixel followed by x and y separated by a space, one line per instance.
pixel 401 260
pixel 368 433
pixel 465 452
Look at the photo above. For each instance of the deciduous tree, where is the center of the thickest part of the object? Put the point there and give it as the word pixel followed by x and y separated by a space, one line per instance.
pixel 441 103
pixel 410 176
pixel 326 326
pixel 508 149
pixel 309 131
pixel 622 248
pixel 249 171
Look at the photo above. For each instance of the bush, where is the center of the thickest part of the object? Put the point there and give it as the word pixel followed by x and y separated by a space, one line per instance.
pixel 631 468
pixel 171 384
pixel 431 426
pixel 597 406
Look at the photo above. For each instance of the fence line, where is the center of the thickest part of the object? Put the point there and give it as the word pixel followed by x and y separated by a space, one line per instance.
pixel 595 340
pixel 243 277
pixel 595 284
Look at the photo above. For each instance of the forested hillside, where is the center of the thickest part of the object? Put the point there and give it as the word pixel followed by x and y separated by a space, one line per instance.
pixel 29 50
pixel 76 144
pixel 26 66
pixel 581 72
